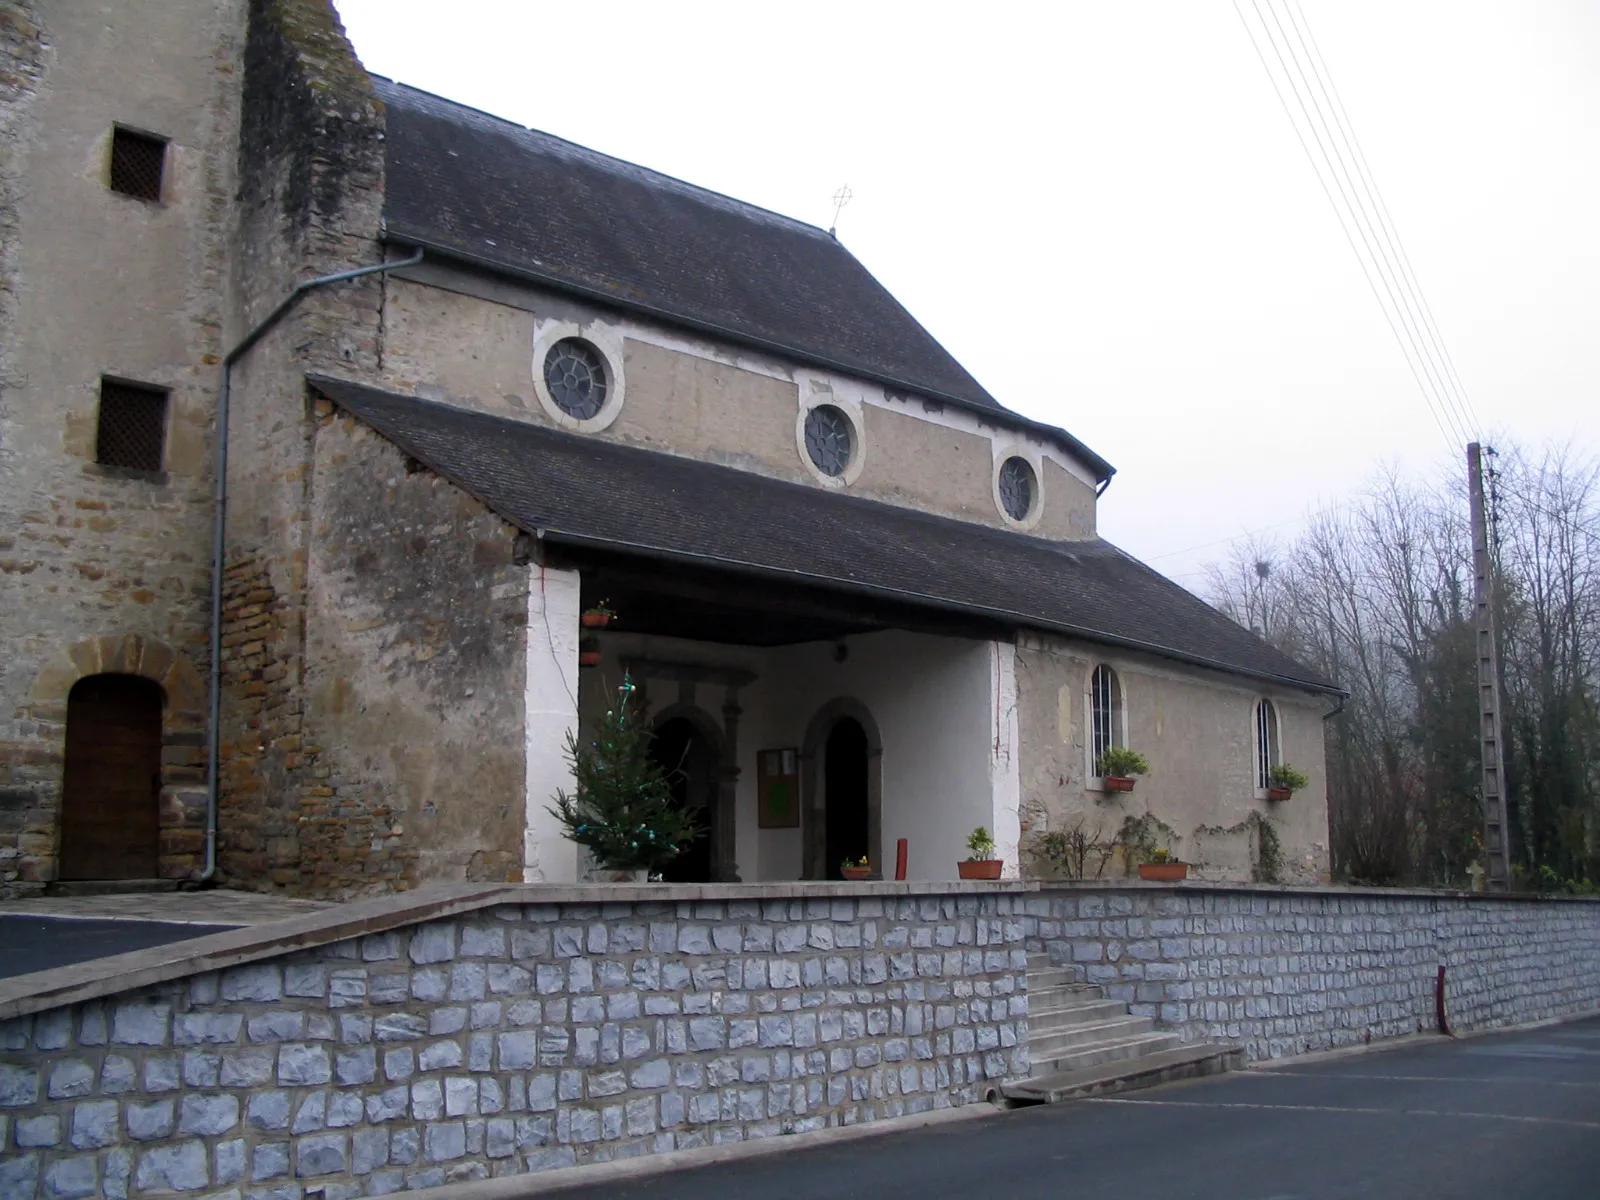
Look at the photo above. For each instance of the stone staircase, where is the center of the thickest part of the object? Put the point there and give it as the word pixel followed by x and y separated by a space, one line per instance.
pixel 1082 1044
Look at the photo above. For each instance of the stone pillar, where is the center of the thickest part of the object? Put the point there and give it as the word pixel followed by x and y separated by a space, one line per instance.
pixel 551 713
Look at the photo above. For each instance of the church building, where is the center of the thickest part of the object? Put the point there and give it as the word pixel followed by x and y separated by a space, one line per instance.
pixel 861 599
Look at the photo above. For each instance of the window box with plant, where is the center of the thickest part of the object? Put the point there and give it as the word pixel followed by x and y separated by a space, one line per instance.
pixel 1163 868
pixel 598 616
pixel 856 869
pixel 982 864
pixel 1118 765
pixel 1285 781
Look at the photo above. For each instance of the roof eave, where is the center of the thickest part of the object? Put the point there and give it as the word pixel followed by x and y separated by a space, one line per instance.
pixel 1102 470
pixel 1022 620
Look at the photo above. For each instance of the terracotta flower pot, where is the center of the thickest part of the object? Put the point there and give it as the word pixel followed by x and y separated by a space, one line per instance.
pixel 595 620
pixel 1167 872
pixel 589 658
pixel 980 868
pixel 1119 783
pixel 856 874
pixel 1279 793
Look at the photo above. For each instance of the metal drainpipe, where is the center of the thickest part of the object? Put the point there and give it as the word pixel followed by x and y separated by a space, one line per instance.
pixel 219 523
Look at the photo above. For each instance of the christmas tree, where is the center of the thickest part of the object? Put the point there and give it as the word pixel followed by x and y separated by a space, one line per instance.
pixel 622 807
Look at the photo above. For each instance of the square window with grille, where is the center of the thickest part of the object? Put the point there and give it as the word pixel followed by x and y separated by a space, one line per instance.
pixel 133 426
pixel 137 162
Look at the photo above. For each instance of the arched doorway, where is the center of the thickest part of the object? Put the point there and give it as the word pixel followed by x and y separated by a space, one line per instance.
pixel 691 762
pixel 111 786
pixel 845 796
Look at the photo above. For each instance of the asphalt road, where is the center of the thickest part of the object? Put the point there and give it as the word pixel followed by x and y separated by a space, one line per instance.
pixel 31 943
pixel 1507 1115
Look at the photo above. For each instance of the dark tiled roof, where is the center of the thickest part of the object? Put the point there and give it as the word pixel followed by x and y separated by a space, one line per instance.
pixel 587 489
pixel 462 181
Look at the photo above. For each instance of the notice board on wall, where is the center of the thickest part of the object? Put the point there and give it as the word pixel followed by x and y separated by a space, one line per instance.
pixel 778 788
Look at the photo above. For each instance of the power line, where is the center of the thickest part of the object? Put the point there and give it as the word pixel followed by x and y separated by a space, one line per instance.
pixel 1388 222
pixel 1404 333
pixel 1365 209
pixel 1411 334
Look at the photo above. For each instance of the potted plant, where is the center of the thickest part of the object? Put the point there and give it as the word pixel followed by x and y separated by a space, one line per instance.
pixel 621 806
pixel 983 864
pixel 1118 765
pixel 856 869
pixel 1285 781
pixel 597 616
pixel 1162 867
pixel 589 652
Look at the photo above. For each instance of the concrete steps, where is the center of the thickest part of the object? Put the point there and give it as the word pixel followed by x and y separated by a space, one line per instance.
pixel 1082 1044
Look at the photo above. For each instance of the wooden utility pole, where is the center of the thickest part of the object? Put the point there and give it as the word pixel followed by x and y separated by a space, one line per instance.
pixel 1496 827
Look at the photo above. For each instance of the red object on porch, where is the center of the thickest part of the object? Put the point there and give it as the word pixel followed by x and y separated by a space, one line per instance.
pixel 1119 783
pixel 900 859
pixel 979 868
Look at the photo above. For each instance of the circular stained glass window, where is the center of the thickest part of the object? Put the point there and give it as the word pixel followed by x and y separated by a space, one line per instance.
pixel 1016 488
pixel 576 378
pixel 828 439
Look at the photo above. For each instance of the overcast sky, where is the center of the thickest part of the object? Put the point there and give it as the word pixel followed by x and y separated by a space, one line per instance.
pixel 1102 211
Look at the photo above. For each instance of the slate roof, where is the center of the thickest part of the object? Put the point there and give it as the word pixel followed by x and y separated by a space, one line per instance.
pixel 589 491
pixel 484 189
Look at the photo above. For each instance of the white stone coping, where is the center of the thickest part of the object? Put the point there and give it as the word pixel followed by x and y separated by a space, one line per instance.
pixel 77 982
pixel 99 977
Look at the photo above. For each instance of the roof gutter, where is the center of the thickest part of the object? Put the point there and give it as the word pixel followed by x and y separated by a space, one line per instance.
pixel 559 537
pixel 220 522
pixel 1103 471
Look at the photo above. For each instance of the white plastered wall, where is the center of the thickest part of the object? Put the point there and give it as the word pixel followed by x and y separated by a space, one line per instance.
pixel 551 704
pixel 944 708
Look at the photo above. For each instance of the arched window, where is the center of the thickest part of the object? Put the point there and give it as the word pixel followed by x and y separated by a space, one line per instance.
pixel 1267 754
pixel 1105 714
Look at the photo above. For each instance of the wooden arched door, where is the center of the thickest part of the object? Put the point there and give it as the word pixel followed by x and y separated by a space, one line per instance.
pixel 111 787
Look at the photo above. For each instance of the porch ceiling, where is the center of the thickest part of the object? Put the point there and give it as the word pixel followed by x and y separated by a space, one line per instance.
pixel 589 492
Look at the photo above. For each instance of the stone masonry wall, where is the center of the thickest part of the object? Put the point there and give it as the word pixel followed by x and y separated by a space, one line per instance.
pixel 1290 972
pixel 516 1038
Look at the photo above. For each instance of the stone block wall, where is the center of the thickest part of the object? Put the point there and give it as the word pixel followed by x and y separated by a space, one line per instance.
pixel 514 1038
pixel 1287 972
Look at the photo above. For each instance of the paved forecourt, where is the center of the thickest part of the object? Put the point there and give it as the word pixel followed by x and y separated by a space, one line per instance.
pixel 1510 1114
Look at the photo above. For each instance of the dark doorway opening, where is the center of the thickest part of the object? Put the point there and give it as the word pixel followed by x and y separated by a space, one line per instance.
pixel 845 795
pixel 111 786
pixel 689 759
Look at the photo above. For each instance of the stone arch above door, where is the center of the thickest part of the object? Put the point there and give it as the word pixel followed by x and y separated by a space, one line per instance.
pixel 812 810
pixel 183 735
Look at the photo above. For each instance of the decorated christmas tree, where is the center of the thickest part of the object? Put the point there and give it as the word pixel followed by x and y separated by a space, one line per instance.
pixel 622 806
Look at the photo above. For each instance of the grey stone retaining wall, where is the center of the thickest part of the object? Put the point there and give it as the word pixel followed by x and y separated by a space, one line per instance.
pixel 515 1038
pixel 1288 972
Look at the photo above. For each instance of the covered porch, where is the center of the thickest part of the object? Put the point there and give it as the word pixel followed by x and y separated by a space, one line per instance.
pixel 806 725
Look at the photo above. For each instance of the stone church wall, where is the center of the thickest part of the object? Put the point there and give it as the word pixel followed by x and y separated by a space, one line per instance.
pixel 1196 729
pixel 518 1036
pixel 470 343
pixel 96 560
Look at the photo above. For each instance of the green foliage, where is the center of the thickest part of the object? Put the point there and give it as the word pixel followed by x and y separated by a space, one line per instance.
pixel 854 862
pixel 622 807
pixel 1076 851
pixel 602 609
pixel 1161 855
pixel 1140 838
pixel 1120 760
pixel 980 844
pixel 1285 776
pixel 1269 851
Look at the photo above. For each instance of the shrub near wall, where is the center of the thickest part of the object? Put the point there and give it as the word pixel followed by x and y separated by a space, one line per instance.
pixel 515 1038
pixel 1286 971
